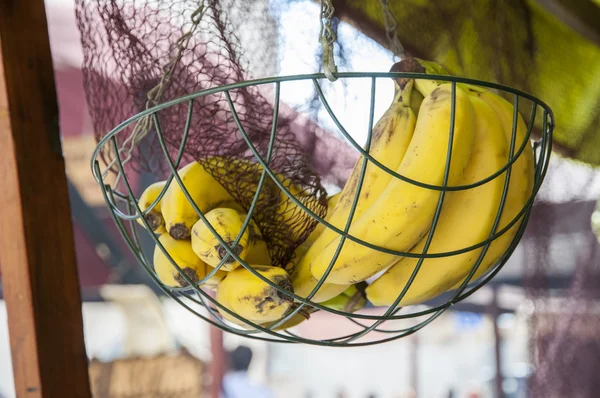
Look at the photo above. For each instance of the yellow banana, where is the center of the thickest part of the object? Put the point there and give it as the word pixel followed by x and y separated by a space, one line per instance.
pixel 522 171
pixel 304 281
pixel 416 99
pixel 403 212
pixel 153 217
pixel 277 208
pixel 521 179
pixel 295 320
pixel 179 215
pixel 228 224
pixel 206 192
pixel 183 255
pixel 350 300
pixel 466 218
pixel 331 203
pixel 253 299
pixel 390 138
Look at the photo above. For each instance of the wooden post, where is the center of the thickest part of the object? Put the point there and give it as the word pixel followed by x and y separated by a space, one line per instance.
pixel 414 364
pixel 39 271
pixel 494 313
pixel 217 365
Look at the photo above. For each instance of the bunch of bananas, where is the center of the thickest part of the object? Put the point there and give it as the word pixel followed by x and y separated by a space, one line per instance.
pixel 412 138
pixel 195 250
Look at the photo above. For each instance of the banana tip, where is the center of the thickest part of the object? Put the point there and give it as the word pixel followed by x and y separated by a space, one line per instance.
pixel 154 220
pixel 222 251
pixel 190 273
pixel 285 284
pixel 179 231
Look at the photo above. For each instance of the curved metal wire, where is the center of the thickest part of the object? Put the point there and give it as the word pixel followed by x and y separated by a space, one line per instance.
pixel 123 207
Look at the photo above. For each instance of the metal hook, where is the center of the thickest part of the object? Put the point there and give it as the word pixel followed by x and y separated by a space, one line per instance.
pixel 327 38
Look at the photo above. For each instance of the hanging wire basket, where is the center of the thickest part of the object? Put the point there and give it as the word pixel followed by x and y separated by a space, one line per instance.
pixel 126 212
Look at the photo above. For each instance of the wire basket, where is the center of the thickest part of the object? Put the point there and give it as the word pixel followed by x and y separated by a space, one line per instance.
pixel 125 211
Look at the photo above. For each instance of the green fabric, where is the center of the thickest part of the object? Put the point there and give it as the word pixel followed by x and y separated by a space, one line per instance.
pixel 512 42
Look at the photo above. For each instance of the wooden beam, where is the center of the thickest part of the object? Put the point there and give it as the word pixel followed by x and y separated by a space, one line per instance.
pixel 217 364
pixel 37 258
pixel 494 314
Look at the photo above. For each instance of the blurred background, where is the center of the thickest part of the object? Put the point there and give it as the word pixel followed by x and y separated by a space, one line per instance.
pixel 533 331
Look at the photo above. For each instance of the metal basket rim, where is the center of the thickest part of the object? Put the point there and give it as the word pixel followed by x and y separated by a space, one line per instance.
pixel 312 76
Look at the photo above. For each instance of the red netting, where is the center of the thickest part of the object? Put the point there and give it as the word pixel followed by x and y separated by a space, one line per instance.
pixel 128 47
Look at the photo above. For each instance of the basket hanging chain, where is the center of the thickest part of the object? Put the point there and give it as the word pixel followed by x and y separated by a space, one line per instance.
pixel 391 30
pixel 144 125
pixel 327 38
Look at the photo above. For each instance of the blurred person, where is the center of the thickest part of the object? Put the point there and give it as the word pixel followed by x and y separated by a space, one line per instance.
pixel 341 394
pixel 236 383
pixel 410 393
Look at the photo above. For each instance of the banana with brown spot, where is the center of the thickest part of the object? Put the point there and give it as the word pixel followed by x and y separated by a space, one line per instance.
pixel 392 135
pixel 228 223
pixel 402 214
pixel 182 254
pixel 251 298
pixel 466 219
pixel 522 172
pixel 521 181
pixel 206 192
pixel 154 217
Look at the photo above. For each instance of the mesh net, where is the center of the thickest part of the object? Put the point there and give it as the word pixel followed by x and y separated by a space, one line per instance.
pixel 140 53
pixel 564 343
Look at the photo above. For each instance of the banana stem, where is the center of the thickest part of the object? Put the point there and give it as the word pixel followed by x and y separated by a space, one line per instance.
pixel 403 85
pixel 352 302
pixel 426 86
pixel 410 65
pixel 305 313
pixel 356 297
